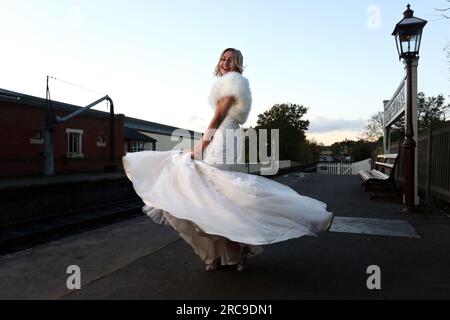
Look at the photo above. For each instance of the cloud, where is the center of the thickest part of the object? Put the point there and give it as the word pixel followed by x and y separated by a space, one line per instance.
pixel 324 125
pixel 197 122
pixel 328 138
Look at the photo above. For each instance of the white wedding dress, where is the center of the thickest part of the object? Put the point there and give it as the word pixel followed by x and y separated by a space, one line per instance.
pixel 208 205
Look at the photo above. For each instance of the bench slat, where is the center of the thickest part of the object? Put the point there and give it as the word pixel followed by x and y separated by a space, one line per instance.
pixel 380 179
pixel 381 164
pixel 385 164
pixel 372 175
pixel 380 174
pixel 388 156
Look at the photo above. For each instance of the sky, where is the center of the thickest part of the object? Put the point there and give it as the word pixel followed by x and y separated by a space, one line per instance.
pixel 155 58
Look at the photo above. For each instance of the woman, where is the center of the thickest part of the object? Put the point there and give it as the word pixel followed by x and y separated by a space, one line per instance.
pixel 223 215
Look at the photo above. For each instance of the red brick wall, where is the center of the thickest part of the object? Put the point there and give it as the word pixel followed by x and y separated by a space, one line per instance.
pixel 19 157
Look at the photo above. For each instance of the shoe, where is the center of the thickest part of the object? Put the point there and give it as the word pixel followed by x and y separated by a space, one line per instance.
pixel 330 224
pixel 245 250
pixel 213 266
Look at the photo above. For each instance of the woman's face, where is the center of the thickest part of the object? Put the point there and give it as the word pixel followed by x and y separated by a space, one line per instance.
pixel 226 62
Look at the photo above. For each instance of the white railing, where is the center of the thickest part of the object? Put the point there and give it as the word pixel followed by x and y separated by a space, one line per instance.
pixel 256 167
pixel 343 168
pixel 334 168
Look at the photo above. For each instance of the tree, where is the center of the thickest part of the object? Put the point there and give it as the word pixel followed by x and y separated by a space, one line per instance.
pixel 358 150
pixel 447 54
pixel 310 151
pixel 431 110
pixel 288 118
pixel 444 10
pixel 374 127
pixel 446 16
pixel 362 149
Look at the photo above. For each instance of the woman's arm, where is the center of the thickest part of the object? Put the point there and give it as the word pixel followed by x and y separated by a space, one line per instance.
pixel 223 105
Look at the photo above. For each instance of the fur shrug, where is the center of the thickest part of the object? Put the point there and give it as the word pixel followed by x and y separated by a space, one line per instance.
pixel 233 84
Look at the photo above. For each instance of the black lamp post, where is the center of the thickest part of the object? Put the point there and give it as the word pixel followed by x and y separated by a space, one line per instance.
pixel 408 34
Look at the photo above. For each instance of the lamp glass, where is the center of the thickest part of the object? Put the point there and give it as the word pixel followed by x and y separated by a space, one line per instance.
pixel 408 41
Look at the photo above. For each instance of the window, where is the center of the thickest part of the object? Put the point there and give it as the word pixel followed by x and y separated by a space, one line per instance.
pixel 74 143
pixel 137 146
pixel 101 141
pixel 36 137
pixel 36 134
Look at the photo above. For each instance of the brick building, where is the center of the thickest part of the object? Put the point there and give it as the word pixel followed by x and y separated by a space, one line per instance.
pixel 81 144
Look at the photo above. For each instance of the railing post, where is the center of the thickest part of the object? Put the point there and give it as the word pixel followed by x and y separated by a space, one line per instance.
pixel 429 149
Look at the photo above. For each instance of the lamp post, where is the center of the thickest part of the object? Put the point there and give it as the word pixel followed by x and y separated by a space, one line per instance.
pixel 408 34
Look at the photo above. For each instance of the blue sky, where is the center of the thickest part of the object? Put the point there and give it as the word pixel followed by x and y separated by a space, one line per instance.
pixel 156 58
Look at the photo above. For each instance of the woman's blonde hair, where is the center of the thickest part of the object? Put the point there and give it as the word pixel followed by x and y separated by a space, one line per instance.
pixel 236 64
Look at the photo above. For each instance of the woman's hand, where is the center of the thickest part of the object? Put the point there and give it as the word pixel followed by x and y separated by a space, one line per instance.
pixel 196 154
pixel 197 151
pixel 200 147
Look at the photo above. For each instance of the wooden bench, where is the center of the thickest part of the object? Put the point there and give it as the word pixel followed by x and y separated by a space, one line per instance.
pixel 382 176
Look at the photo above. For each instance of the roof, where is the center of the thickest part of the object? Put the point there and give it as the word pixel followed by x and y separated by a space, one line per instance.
pixel 153 127
pixel 409 22
pixel 131 134
pixel 132 123
pixel 20 98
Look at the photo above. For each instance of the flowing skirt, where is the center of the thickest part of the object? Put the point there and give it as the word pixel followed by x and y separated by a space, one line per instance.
pixel 208 206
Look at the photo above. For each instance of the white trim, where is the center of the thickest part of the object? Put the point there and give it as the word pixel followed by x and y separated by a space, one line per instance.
pixel 36 141
pixel 396 106
pixel 74 155
pixel 68 130
pixel 78 154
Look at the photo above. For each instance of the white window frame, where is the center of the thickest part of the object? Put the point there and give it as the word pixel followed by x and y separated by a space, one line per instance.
pixel 80 143
pixel 138 146
pixel 37 140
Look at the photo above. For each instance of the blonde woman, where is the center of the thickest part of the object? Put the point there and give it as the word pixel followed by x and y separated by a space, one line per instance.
pixel 223 215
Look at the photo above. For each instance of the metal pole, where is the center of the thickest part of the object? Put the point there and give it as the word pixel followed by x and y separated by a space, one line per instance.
pixel 49 168
pixel 409 144
pixel 112 138
pixel 51 121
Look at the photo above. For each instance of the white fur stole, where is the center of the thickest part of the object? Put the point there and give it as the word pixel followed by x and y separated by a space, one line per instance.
pixel 233 84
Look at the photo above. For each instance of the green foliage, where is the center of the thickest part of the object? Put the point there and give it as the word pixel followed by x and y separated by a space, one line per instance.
pixel 431 110
pixel 288 118
pixel 363 149
pixel 310 151
pixel 358 150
